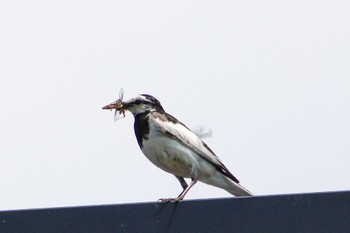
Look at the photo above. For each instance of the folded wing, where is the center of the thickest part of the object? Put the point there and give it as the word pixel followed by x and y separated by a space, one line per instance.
pixel 173 128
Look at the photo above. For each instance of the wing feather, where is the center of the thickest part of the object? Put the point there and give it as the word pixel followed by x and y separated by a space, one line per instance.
pixel 173 128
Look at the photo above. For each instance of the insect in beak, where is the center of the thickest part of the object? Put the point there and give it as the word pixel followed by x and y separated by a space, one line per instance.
pixel 118 106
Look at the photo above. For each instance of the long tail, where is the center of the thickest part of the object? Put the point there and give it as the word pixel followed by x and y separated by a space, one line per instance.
pixel 237 189
pixel 229 185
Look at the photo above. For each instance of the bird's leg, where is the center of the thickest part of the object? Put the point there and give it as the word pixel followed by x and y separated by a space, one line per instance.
pixel 184 192
pixel 183 182
pixel 185 187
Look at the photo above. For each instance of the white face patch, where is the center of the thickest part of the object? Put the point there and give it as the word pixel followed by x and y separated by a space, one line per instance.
pixel 141 104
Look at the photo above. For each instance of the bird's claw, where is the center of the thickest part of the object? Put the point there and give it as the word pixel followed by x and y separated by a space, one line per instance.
pixel 170 199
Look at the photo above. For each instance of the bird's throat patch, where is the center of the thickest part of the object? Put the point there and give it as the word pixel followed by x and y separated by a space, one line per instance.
pixel 141 127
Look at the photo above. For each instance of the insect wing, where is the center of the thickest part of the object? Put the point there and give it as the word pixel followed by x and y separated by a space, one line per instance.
pixel 117 115
pixel 121 94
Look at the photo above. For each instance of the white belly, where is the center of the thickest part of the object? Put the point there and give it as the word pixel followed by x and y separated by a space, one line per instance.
pixel 170 155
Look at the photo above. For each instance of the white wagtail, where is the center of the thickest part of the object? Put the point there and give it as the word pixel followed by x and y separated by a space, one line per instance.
pixel 174 148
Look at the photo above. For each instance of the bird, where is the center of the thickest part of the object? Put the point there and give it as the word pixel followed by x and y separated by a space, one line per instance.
pixel 173 147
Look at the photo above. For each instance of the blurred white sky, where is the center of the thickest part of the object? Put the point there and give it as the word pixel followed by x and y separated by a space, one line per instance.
pixel 271 79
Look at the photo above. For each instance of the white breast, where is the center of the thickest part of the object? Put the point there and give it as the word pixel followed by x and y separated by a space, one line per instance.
pixel 173 156
pixel 168 154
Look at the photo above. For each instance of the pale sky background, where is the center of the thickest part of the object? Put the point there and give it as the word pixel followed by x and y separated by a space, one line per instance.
pixel 270 78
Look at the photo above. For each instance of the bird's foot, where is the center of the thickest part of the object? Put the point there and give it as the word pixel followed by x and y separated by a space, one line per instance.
pixel 170 199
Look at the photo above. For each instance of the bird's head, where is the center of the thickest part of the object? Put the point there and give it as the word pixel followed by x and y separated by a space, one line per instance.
pixel 138 105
